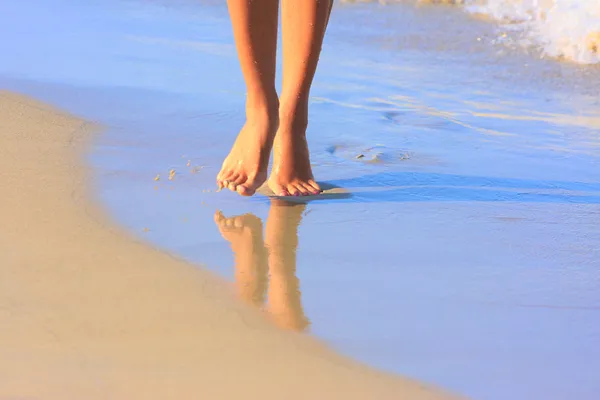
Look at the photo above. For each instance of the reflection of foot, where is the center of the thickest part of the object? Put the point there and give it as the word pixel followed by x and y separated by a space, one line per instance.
pixel 245 234
pixel 245 168
pixel 292 174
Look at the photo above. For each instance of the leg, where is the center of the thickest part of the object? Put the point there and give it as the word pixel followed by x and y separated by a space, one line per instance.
pixel 304 24
pixel 285 305
pixel 255 31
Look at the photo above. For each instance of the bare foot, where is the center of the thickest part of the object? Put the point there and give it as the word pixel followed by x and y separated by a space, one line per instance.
pixel 245 234
pixel 292 174
pixel 245 168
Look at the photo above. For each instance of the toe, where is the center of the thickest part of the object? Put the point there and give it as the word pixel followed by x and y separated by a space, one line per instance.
pixel 233 182
pixel 308 189
pixel 293 190
pixel 302 189
pixel 245 191
pixel 315 186
pixel 223 184
pixel 223 176
pixel 220 175
pixel 251 185
pixel 278 190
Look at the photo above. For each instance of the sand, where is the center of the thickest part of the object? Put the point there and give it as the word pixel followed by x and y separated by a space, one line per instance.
pixel 86 312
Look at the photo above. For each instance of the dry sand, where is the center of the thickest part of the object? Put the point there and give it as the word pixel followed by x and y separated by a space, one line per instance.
pixel 86 312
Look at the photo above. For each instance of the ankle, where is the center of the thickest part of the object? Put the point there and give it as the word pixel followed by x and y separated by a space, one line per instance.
pixel 262 107
pixel 261 117
pixel 293 116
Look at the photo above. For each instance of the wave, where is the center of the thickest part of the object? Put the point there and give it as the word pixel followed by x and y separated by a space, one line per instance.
pixel 564 29
pixel 567 29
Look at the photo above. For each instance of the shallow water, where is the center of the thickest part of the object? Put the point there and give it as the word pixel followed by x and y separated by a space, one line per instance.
pixel 466 255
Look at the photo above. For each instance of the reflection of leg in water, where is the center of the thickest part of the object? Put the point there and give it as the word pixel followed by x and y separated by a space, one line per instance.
pixel 282 241
pixel 245 233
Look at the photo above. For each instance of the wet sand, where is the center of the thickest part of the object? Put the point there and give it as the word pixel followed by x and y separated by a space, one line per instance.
pixel 87 312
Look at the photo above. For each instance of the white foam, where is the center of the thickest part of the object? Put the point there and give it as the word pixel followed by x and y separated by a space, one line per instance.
pixel 568 29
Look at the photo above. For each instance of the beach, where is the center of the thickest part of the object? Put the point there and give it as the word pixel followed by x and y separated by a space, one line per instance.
pixel 458 252
pixel 89 312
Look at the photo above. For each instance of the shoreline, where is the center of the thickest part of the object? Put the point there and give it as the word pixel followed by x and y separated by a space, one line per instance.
pixel 86 311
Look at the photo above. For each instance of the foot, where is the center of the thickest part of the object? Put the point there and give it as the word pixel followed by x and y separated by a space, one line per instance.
pixel 292 174
pixel 245 168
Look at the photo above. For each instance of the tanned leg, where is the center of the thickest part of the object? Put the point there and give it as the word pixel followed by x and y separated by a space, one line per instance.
pixel 303 23
pixel 255 31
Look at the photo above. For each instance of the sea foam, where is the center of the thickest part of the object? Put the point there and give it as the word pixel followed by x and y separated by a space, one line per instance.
pixel 564 29
pixel 568 29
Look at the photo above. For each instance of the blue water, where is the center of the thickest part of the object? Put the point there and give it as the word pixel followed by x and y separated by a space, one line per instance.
pixel 467 255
